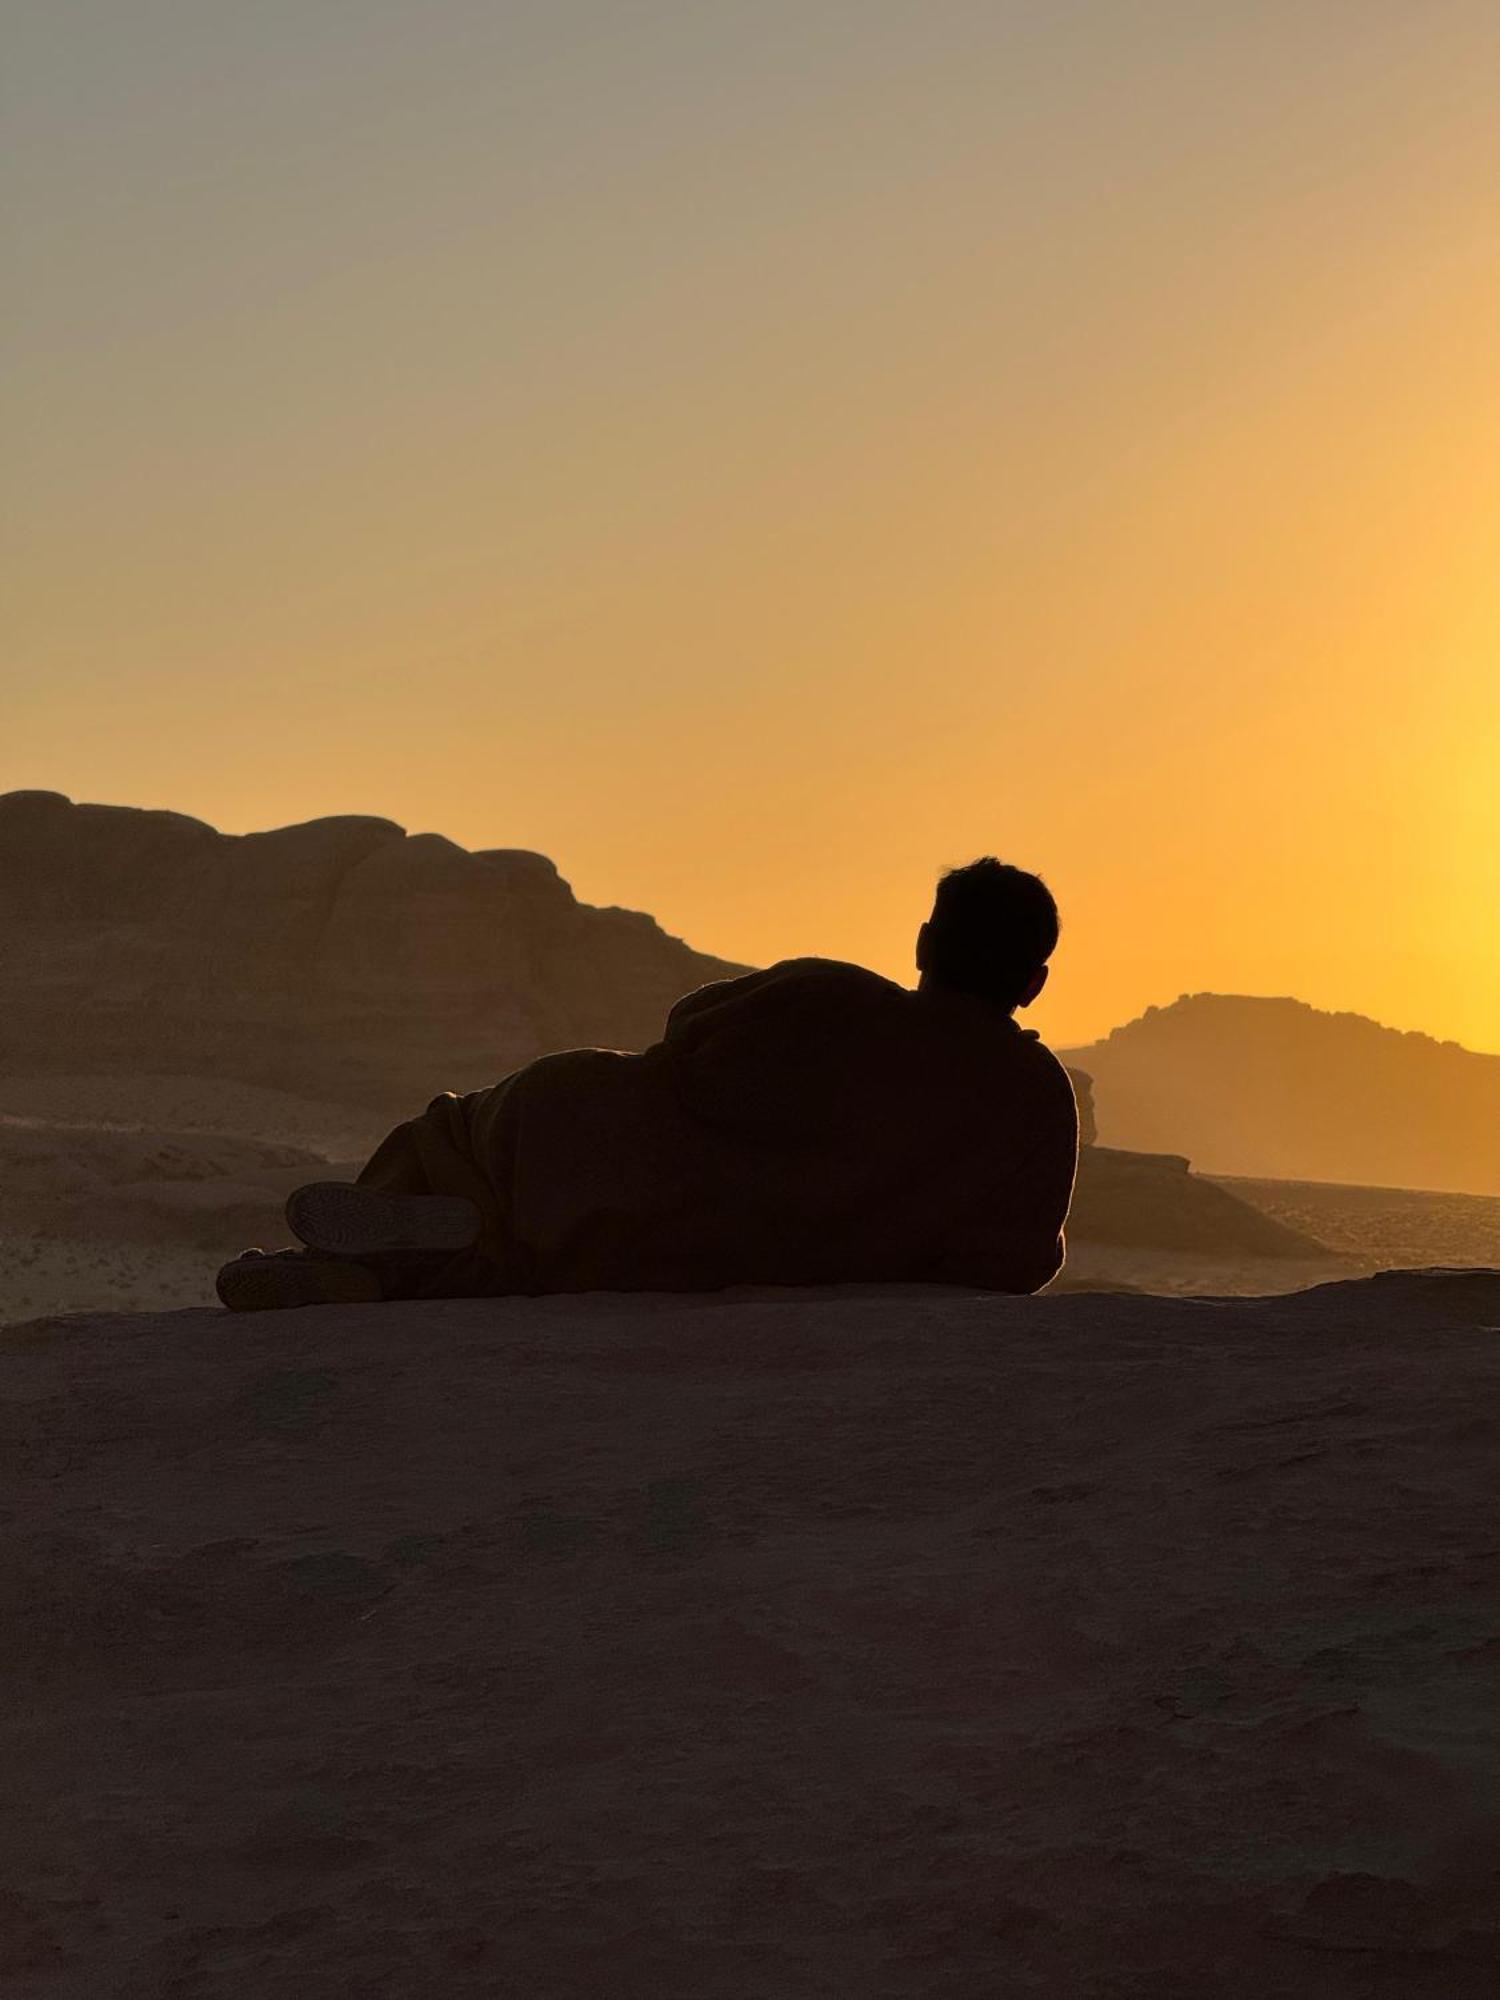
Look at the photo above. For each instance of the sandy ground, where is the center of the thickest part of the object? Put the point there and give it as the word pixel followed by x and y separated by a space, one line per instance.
pixel 1376 1228
pixel 116 1219
pixel 1191 1274
pixel 80 1274
pixel 192 1104
pixel 120 1217
pixel 1364 1230
pixel 725 1648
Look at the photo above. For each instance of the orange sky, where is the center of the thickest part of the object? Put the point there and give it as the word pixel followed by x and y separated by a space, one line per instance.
pixel 759 456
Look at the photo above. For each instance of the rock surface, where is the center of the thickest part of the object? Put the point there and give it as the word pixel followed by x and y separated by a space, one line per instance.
pixel 883 1645
pixel 1274 1088
pixel 1153 1200
pixel 344 958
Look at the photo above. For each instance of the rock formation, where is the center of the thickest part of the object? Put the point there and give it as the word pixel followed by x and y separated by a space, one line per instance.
pixel 687 1649
pixel 1153 1199
pixel 344 958
pixel 1274 1088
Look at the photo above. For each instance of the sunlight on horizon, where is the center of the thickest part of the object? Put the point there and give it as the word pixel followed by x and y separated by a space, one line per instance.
pixel 761 459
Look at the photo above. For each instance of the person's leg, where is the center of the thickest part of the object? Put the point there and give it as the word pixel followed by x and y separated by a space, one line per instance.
pixel 455 1274
pixel 421 1243
pixel 269 1280
pixel 433 1154
pixel 422 1220
pixel 263 1281
pixel 464 1248
pixel 352 1219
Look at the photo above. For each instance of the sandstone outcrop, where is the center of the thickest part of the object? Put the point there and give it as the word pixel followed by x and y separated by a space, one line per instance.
pixel 345 958
pixel 1274 1088
pixel 1202 1234
pixel 890 1644
pixel 1155 1199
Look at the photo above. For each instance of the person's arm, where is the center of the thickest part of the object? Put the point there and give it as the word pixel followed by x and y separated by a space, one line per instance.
pixel 1022 1268
pixel 702 998
pixel 1023 1244
pixel 792 973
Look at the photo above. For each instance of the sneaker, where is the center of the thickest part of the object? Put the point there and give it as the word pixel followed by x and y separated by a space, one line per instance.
pixel 347 1221
pixel 265 1281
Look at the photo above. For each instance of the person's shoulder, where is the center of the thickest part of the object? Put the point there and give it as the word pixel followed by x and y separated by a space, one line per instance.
pixel 831 972
pixel 854 992
pixel 1029 1048
pixel 801 987
pixel 1015 1054
pixel 1046 1076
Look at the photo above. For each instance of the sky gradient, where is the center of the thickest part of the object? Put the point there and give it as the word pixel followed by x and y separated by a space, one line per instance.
pixel 760 456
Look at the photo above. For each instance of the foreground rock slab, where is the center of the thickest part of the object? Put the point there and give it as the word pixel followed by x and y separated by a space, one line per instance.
pixel 794 1645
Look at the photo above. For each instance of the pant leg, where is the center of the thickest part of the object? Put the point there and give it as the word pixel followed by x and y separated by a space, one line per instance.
pixel 435 1154
pixel 432 1154
pixel 438 1274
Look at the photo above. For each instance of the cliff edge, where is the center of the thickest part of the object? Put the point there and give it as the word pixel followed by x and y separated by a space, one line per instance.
pixel 344 959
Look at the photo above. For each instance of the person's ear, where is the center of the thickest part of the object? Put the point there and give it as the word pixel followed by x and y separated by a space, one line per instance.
pixel 1033 990
pixel 924 948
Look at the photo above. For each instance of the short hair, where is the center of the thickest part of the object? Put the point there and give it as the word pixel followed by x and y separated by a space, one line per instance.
pixel 992 929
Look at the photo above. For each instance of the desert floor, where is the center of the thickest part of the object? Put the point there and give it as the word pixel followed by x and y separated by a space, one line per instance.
pixel 1377 1228
pixel 800 1645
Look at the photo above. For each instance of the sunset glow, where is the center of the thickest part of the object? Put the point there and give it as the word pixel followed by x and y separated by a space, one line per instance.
pixel 761 456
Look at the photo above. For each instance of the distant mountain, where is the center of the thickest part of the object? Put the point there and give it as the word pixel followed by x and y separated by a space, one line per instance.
pixel 345 958
pixel 1278 1089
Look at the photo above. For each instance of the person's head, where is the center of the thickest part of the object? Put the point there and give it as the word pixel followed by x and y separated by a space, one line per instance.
pixel 991 932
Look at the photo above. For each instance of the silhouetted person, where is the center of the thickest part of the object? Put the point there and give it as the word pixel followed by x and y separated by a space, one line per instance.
pixel 810 1124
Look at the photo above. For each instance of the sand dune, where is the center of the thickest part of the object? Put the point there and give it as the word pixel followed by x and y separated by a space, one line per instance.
pixel 190 1104
pixel 96 1219
pixel 882 1645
